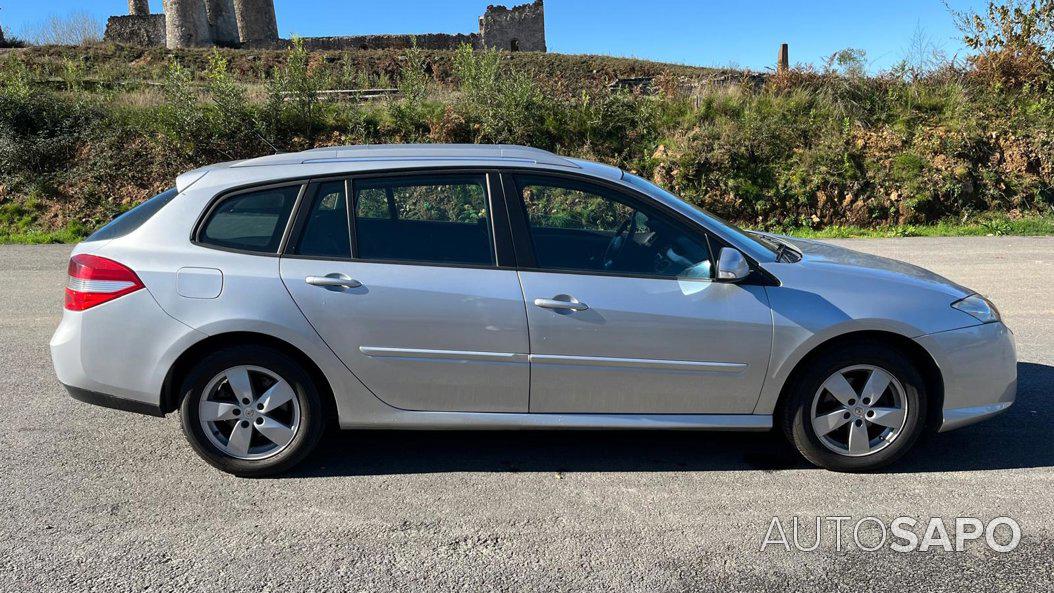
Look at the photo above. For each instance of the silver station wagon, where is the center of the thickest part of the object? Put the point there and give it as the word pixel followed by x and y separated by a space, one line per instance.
pixel 503 287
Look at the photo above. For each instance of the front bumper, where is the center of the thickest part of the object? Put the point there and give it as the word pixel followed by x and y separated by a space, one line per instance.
pixel 979 367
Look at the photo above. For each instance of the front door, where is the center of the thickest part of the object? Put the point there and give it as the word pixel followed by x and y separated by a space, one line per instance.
pixel 623 314
pixel 408 294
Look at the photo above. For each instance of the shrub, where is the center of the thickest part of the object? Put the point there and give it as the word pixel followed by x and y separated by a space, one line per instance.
pixel 1014 40
pixel 40 133
pixel 301 83
pixel 503 105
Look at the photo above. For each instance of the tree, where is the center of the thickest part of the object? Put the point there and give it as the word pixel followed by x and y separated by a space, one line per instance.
pixel 1014 40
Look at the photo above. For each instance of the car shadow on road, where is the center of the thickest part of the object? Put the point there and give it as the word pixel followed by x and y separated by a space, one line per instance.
pixel 1019 438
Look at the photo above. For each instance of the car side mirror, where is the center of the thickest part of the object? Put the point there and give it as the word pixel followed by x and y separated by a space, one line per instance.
pixel 732 266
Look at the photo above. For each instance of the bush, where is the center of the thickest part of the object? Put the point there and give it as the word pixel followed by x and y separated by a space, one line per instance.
pixel 40 133
pixel 1014 41
pixel 502 106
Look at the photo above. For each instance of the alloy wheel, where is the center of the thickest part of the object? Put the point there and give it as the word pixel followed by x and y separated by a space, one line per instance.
pixel 249 412
pixel 859 410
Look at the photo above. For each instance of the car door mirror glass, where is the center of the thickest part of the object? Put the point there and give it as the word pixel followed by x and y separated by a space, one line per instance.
pixel 732 266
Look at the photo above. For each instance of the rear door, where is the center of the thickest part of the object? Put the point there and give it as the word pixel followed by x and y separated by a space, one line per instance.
pixel 400 276
pixel 623 313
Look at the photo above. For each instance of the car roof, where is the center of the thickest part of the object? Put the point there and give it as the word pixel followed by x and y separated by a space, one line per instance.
pixel 364 158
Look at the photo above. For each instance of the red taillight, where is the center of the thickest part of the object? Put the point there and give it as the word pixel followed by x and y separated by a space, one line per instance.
pixel 94 280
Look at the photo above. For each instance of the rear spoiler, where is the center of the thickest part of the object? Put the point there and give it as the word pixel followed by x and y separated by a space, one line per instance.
pixel 189 178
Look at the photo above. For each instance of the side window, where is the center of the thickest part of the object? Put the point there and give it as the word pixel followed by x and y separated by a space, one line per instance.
pixel 251 221
pixel 441 219
pixel 581 227
pixel 325 231
pixel 134 218
pixel 376 202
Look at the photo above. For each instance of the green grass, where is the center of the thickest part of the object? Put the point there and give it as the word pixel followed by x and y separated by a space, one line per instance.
pixel 69 234
pixel 998 226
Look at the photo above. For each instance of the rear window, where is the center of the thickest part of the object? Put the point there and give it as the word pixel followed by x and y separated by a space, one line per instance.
pixel 252 221
pixel 134 218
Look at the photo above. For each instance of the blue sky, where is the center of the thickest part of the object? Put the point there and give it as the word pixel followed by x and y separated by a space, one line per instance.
pixel 702 32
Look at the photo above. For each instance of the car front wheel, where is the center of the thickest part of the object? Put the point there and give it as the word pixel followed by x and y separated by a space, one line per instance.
pixel 856 409
pixel 251 411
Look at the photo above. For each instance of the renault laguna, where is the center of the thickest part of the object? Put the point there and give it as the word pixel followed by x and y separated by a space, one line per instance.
pixel 505 288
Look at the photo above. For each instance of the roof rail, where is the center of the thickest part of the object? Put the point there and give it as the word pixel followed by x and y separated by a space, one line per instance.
pixel 404 152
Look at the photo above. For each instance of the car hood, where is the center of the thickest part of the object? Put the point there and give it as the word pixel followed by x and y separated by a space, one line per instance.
pixel 824 256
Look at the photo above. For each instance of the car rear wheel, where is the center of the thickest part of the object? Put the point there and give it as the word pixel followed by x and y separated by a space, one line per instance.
pixel 856 409
pixel 251 411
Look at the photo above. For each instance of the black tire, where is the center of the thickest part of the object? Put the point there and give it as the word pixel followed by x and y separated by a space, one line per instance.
pixel 795 413
pixel 311 421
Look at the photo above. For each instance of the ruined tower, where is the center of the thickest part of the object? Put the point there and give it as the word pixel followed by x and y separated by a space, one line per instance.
pixel 521 28
pixel 222 22
pixel 138 27
pixel 138 7
pixel 186 24
pixel 257 25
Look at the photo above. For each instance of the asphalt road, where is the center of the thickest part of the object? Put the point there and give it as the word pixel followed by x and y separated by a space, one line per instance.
pixel 94 499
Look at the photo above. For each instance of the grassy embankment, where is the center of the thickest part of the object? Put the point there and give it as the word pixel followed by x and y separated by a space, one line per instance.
pixel 86 133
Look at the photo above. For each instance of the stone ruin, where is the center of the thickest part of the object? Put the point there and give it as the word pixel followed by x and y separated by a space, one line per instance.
pixel 252 24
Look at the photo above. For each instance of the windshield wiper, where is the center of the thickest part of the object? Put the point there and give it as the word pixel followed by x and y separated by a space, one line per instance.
pixel 785 252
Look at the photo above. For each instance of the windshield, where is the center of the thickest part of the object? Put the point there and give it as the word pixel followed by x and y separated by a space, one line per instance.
pixel 724 226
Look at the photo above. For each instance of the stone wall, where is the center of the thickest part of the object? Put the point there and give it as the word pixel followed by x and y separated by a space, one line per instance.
pixel 147 29
pixel 424 41
pixel 521 28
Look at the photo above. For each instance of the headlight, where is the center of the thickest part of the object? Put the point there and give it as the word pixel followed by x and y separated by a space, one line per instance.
pixel 978 307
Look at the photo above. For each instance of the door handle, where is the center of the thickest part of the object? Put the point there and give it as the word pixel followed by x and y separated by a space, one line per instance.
pixel 561 302
pixel 333 281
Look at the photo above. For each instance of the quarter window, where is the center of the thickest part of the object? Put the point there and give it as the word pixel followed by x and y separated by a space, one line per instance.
pixel 578 226
pixel 326 228
pixel 440 219
pixel 251 221
pixel 134 218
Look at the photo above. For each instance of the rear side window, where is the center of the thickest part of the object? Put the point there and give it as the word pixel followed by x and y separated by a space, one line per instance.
pixel 252 221
pixel 442 219
pixel 326 228
pixel 134 218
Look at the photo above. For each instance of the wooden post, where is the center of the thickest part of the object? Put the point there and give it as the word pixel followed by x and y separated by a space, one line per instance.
pixel 783 62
